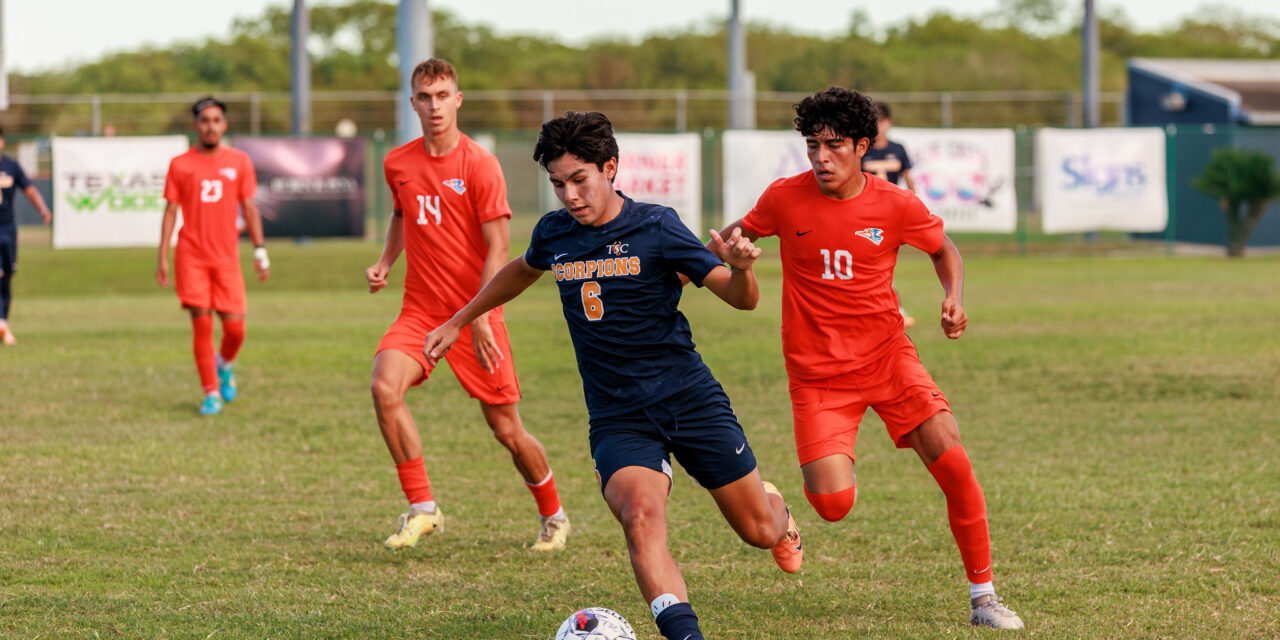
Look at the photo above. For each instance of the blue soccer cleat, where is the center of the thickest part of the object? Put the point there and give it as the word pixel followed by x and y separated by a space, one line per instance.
pixel 226 381
pixel 212 405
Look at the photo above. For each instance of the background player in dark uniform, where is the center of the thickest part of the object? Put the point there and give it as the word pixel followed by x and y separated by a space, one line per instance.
pixel 12 178
pixel 617 264
pixel 889 160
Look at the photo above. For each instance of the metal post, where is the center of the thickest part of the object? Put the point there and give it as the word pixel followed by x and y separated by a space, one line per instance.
pixel 1089 75
pixel 413 45
pixel 96 108
pixel 300 30
pixel 945 99
pixel 1171 180
pixel 548 105
pixel 682 110
pixel 4 71
pixel 737 69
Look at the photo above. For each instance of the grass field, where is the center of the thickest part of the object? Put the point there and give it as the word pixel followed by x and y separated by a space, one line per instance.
pixel 1123 415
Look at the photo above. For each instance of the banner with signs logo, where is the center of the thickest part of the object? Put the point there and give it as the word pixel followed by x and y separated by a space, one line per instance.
pixel 309 186
pixel 753 160
pixel 109 192
pixel 1095 179
pixel 964 176
pixel 663 169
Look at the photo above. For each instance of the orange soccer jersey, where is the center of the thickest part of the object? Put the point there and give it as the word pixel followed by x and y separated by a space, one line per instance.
pixel 443 201
pixel 839 310
pixel 209 189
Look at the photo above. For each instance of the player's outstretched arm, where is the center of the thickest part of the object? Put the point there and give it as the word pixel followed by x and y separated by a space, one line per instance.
pixel 508 283
pixel 497 243
pixel 166 234
pixel 950 267
pixel 376 275
pixel 737 284
pixel 253 224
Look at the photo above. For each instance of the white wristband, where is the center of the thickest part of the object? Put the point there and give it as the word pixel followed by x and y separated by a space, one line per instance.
pixel 260 256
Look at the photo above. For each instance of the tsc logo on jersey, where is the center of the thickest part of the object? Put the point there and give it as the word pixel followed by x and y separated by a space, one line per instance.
pixel 229 172
pixel 459 187
pixel 872 234
pixel 618 248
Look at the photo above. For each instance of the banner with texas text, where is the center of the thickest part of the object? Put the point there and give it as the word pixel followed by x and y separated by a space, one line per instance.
pixel 964 176
pixel 663 169
pixel 109 192
pixel 1095 179
pixel 310 187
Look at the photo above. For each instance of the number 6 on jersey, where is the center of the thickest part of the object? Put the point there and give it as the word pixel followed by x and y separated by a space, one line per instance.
pixel 592 305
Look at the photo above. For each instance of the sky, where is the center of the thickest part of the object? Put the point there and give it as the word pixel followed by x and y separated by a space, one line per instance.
pixel 52 34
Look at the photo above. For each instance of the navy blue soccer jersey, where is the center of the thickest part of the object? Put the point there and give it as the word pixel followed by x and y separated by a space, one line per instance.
pixel 619 284
pixel 12 180
pixel 888 163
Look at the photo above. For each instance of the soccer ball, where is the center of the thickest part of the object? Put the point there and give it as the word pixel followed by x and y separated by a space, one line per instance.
pixel 596 623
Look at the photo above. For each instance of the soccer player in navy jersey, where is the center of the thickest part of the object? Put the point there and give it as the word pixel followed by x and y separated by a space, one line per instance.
pixel 12 179
pixel 618 266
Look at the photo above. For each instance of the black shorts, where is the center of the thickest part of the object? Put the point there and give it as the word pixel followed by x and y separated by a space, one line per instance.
pixel 697 425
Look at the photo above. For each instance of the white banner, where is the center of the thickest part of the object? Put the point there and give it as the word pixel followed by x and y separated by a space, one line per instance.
pixel 753 160
pixel 109 192
pixel 1094 179
pixel 964 176
pixel 663 169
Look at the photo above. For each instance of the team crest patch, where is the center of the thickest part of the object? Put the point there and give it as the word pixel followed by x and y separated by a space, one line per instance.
pixel 459 187
pixel 872 234
pixel 229 172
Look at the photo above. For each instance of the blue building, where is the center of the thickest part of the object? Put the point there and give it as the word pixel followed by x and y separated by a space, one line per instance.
pixel 1204 105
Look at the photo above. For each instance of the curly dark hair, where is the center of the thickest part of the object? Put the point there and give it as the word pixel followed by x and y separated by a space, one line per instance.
pixel 587 135
pixel 843 112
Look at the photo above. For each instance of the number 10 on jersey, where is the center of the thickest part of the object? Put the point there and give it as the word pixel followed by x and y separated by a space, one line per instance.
pixel 843 265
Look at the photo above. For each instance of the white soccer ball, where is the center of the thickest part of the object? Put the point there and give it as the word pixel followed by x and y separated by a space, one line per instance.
pixel 596 623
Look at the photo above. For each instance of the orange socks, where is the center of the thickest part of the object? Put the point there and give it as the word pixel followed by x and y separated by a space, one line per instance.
pixel 545 493
pixel 414 482
pixel 966 510
pixel 232 338
pixel 832 506
pixel 202 345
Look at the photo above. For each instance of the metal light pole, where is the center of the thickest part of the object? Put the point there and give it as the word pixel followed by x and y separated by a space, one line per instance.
pixel 1089 74
pixel 741 83
pixel 300 30
pixel 413 45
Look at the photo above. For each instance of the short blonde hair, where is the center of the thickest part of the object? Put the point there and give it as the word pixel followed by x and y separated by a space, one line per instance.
pixel 432 69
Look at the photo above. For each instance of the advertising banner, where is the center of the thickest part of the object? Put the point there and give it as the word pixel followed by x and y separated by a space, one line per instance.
pixel 964 176
pixel 109 192
pixel 753 160
pixel 663 169
pixel 312 187
pixel 1095 179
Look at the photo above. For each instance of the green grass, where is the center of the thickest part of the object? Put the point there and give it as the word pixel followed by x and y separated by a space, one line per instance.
pixel 1121 413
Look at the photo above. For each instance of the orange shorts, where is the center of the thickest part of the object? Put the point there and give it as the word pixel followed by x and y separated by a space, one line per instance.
pixel 827 412
pixel 408 334
pixel 206 284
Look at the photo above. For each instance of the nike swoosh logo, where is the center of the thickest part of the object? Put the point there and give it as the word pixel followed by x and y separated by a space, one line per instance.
pixel 740 448
pixel 403 181
pixel 982 571
pixel 502 387
pixel 798 233
pixel 559 255
pixel 936 394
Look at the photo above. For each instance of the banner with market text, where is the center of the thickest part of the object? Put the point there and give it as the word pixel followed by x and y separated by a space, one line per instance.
pixel 663 169
pixel 308 187
pixel 964 176
pixel 109 192
pixel 1096 179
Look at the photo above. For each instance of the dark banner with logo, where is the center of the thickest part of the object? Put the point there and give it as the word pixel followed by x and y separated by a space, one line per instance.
pixel 309 186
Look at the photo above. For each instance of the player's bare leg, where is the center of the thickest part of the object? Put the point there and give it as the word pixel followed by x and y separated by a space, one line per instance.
pixel 393 373
pixel 937 442
pixel 830 486
pixel 531 461
pixel 637 496
pixel 759 515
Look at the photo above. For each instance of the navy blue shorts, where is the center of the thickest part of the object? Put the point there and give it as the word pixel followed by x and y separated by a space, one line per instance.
pixel 697 425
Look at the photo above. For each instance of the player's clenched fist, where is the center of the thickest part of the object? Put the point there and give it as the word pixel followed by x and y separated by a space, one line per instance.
pixel 738 250
pixel 376 276
pixel 954 319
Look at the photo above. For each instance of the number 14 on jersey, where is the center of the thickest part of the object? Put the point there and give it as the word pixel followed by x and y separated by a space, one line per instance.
pixel 428 203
